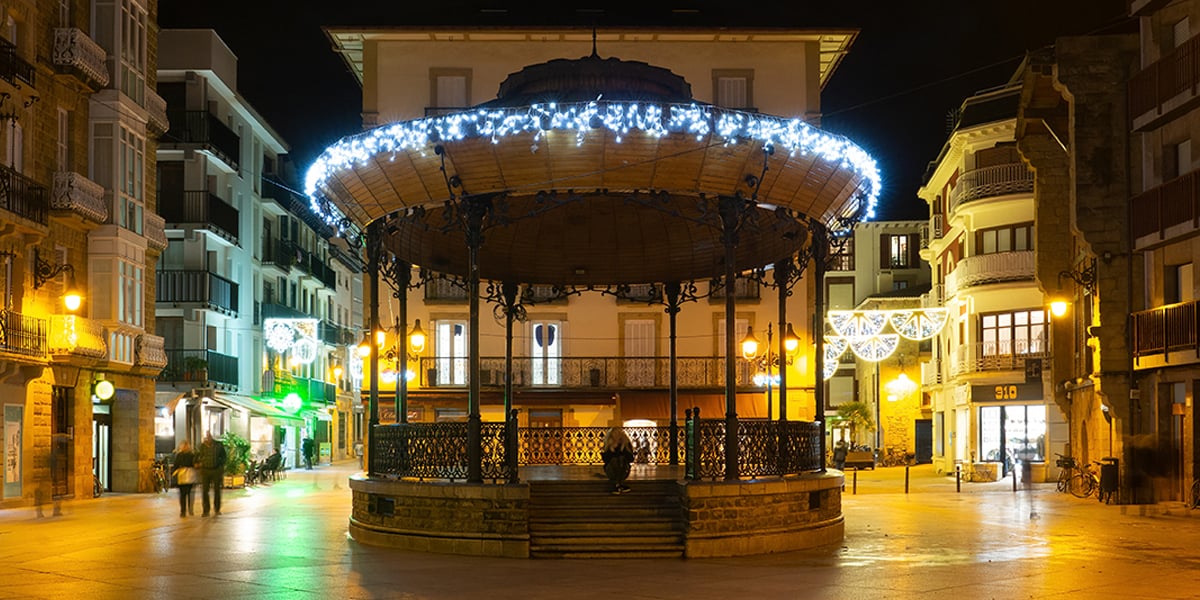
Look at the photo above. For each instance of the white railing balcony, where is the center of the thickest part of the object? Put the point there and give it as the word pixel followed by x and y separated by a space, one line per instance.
pixel 156 234
pixel 950 285
pixel 74 49
pixel 151 351
pixel 1009 355
pixel 937 227
pixel 992 268
pixel 156 109
pixel 80 195
pixel 1000 180
pixel 931 372
pixel 74 336
pixel 935 297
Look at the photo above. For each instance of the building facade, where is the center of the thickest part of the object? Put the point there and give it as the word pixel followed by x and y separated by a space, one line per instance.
pixel 591 359
pixel 988 374
pixel 252 301
pixel 78 213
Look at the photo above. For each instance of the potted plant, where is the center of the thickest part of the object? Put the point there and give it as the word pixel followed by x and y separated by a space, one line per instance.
pixel 237 458
pixel 195 369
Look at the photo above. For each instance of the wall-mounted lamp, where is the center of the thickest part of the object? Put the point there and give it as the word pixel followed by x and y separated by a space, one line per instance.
pixel 1085 278
pixel 44 270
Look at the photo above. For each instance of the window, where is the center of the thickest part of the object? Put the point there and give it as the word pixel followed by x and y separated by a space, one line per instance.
pixel 62 149
pixel 1180 32
pixel 133 51
pixel 898 251
pixel 131 183
pixel 740 326
pixel 545 352
pixel 1012 432
pixel 640 345
pixel 14 149
pixel 450 344
pixel 733 88
pixel 1178 284
pixel 130 295
pixel 449 89
pixel 1014 333
pixel 841 254
pixel 1012 238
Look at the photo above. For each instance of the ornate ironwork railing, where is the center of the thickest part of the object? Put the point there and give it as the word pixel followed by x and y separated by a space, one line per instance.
pixel 13 68
pixel 151 351
pixel 156 231
pixel 21 334
pixel 987 182
pixel 439 450
pixel 24 196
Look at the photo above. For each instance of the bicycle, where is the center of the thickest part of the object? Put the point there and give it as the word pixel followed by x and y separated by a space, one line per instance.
pixel 1067 467
pixel 97 487
pixel 1086 482
pixel 158 474
pixel 1193 499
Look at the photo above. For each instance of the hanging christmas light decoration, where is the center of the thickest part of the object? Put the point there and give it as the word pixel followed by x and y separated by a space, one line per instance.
pixel 835 346
pixel 298 336
pixel 857 323
pixel 875 348
pixel 920 324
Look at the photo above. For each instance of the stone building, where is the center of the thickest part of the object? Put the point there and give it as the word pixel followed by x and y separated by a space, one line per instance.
pixel 78 210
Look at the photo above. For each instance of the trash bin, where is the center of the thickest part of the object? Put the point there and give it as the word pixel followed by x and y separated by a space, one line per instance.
pixel 1108 478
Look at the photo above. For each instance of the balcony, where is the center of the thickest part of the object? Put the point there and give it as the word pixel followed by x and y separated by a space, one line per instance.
pixel 991 268
pixel 13 68
pixel 156 111
pixel 985 357
pixel 24 196
pixel 151 352
pixel 931 372
pixel 196 287
pixel 200 367
pixel 75 193
pixel 989 182
pixel 743 289
pixel 1166 88
pixel 271 310
pixel 603 372
pixel 73 337
pixel 78 54
pixel 314 391
pixel 1174 203
pixel 280 253
pixel 1166 335
pixel 199 209
pixel 23 335
pixel 335 335
pixel 156 234
pixel 442 290
pixel 200 127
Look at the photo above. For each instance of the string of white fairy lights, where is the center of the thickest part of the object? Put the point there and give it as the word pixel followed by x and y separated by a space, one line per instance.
pixel 622 118
pixel 862 332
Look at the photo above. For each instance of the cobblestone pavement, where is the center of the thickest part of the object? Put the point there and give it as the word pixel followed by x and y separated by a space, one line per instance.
pixel 288 540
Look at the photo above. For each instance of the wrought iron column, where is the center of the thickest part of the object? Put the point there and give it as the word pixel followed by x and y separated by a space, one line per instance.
pixel 475 209
pixel 732 210
pixel 820 248
pixel 509 291
pixel 672 291
pixel 374 241
pixel 403 279
pixel 783 279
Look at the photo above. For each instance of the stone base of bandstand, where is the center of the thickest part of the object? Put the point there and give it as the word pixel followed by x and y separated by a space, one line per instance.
pixel 721 518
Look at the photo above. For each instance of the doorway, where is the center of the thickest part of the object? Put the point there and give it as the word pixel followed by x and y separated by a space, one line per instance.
pixel 923 440
pixel 546 443
pixel 102 446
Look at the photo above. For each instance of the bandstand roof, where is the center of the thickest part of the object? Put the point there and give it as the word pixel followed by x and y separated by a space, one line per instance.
pixel 621 188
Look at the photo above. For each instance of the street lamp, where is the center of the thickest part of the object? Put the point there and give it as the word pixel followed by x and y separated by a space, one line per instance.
pixel 791 344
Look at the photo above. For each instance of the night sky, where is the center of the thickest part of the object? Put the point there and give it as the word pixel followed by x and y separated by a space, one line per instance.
pixel 914 60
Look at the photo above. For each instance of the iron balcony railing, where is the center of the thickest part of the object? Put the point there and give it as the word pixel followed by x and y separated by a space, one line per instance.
pixel 443 289
pixel 439 450
pixel 1009 355
pixel 988 182
pixel 200 367
pixel 21 334
pixel 80 195
pixel 931 372
pixel 13 68
pixel 273 310
pixel 204 128
pixel 199 208
pixel 1177 72
pixel 314 391
pixel 335 335
pixel 743 289
pixel 1165 329
pixel 24 196
pixel 196 287
pixel 78 54
pixel 74 336
pixel 1173 203
pixel 280 253
pixel 596 372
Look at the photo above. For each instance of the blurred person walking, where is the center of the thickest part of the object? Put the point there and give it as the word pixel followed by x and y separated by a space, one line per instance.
pixel 185 477
pixel 212 472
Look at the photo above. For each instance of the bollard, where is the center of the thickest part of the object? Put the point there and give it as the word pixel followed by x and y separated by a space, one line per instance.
pixel 905 479
pixel 855 488
pixel 958 478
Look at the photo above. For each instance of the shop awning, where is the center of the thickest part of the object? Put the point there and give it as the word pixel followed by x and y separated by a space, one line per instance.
pixel 259 408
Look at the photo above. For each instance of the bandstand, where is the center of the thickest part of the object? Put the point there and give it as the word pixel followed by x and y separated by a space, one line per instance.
pixel 590 176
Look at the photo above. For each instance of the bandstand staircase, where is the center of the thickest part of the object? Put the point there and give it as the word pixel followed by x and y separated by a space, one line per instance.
pixel 583 519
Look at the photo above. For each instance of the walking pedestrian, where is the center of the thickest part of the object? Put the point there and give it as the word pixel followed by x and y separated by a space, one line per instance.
pixel 185 477
pixel 618 457
pixel 212 472
pixel 840 450
pixel 308 447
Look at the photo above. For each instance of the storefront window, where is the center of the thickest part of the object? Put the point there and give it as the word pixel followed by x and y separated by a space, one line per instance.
pixel 1012 432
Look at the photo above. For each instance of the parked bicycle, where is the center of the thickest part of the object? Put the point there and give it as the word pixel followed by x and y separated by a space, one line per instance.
pixel 97 487
pixel 158 475
pixel 1067 468
pixel 1193 498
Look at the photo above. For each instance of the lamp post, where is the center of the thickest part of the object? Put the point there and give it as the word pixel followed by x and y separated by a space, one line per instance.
pixel 398 353
pixel 750 352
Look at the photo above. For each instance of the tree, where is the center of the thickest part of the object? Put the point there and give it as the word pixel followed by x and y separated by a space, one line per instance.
pixel 856 414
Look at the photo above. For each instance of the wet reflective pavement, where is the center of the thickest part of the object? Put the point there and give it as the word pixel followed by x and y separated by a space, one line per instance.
pixel 288 540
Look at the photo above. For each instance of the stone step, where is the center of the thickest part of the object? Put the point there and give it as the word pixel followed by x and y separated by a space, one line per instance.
pixel 584 519
pixel 587 526
pixel 568 553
